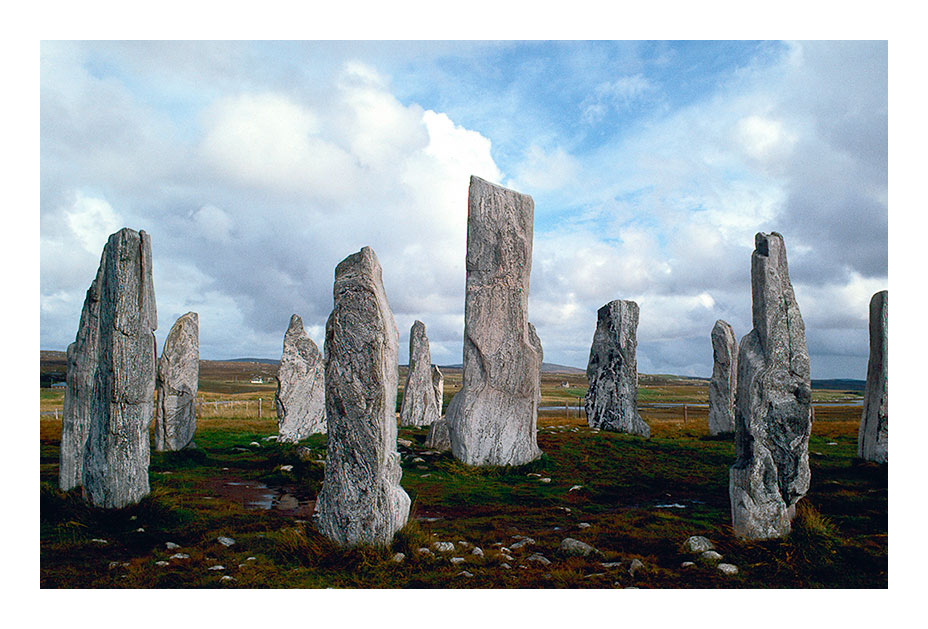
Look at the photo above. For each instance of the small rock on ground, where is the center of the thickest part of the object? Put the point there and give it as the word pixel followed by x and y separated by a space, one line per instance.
pixel 179 556
pixel 687 564
pixel 227 578
pixel 710 555
pixel 464 573
pixel 398 557
pixel 584 525
pixel 575 548
pixel 540 559
pixel 635 566
pixel 216 567
pixel 443 547
pixel 162 563
pixel 728 568
pixel 697 544
pixel 171 545
pixel 225 541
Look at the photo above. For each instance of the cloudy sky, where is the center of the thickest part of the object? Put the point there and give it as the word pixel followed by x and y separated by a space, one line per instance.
pixel 257 166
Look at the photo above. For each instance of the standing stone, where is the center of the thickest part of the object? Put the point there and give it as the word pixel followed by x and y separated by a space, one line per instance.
pixel 111 379
pixel 873 435
pixel 612 398
pixel 773 409
pixel 724 382
pixel 300 397
pixel 492 419
pixel 438 385
pixel 419 408
pixel 178 379
pixel 438 437
pixel 361 501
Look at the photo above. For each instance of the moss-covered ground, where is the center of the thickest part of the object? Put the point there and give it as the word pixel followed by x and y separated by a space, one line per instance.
pixel 630 498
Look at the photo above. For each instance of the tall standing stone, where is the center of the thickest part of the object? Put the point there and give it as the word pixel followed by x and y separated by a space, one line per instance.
pixel 724 382
pixel 873 435
pixel 361 500
pixel 492 419
pixel 612 371
pixel 111 391
pixel 773 409
pixel 300 397
pixel 438 385
pixel 419 407
pixel 177 383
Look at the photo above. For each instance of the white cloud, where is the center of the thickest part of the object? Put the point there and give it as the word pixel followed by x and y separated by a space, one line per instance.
pixel 91 220
pixel 545 170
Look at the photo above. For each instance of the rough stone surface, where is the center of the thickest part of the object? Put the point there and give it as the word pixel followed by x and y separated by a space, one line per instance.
pixel 873 435
pixel 109 400
pixel 612 398
pixel 493 418
pixel 300 397
pixel 178 378
pixel 439 437
pixel 727 568
pixel 419 407
pixel 438 385
pixel 571 547
pixel 697 544
pixel 361 500
pixel 724 382
pixel 773 411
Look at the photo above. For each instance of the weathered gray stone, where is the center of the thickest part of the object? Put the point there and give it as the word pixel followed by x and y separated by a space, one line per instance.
pixel 612 398
pixel 361 501
pixel 439 437
pixel 698 544
pixel 300 397
pixel 493 418
pixel 571 547
pixel 178 379
pixel 438 385
pixel 873 435
pixel 109 402
pixel 419 407
pixel 724 382
pixel 773 410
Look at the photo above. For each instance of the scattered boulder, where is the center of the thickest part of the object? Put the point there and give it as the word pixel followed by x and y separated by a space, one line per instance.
pixel 571 547
pixel 773 410
pixel 697 544
pixel 727 568
pixel 109 401
pixel 361 500
pixel 540 559
pixel 612 397
pixel 873 434
pixel 710 555
pixel 225 541
pixel 419 407
pixel 687 564
pixel 399 557
pixel 443 547
pixel 724 382
pixel 492 420
pixel 300 397
pixel 635 566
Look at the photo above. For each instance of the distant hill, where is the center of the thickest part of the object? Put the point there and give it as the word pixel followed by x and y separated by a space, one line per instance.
pixel 840 384
pixel 545 368
pixel 265 361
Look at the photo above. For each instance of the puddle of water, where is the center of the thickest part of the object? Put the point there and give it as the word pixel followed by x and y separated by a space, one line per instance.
pixel 257 495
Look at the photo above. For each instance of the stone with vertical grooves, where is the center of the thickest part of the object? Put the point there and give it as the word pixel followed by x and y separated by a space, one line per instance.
pixel 177 383
pixel 773 409
pixel 724 382
pixel 419 407
pixel 361 500
pixel 612 371
pixel 438 385
pixel 492 420
pixel 873 434
pixel 300 396
pixel 113 385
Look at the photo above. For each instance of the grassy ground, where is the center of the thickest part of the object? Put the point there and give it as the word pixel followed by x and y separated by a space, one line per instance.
pixel 628 497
